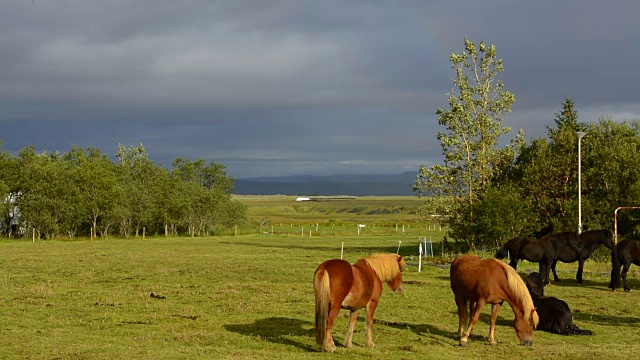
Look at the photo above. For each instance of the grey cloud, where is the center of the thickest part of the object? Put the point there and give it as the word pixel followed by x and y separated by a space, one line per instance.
pixel 271 87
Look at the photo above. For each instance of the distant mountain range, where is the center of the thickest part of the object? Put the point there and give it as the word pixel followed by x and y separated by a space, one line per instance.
pixel 310 185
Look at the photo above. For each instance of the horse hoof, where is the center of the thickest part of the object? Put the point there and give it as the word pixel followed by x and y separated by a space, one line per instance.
pixel 493 343
pixel 463 343
pixel 329 349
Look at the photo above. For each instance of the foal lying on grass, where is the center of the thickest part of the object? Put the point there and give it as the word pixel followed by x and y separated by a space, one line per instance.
pixel 555 315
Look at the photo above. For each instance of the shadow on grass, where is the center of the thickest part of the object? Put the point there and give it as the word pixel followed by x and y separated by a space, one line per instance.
pixel 276 330
pixel 606 320
pixel 434 333
pixel 602 286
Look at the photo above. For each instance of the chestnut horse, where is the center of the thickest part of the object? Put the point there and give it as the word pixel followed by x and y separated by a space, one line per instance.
pixel 339 284
pixel 478 282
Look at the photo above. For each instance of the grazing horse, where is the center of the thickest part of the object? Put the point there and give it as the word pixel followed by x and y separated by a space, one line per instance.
pixel 625 253
pixel 544 251
pixel 555 315
pixel 476 282
pixel 580 248
pixel 339 284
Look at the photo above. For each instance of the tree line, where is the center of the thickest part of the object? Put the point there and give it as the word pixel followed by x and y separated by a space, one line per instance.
pixel 492 193
pixel 84 193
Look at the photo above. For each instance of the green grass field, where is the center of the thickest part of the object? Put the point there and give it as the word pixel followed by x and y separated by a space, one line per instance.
pixel 251 297
pixel 281 209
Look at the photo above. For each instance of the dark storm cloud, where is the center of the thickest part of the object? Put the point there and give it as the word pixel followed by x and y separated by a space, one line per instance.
pixel 296 87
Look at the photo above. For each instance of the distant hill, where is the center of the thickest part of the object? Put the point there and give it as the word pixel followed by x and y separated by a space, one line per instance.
pixel 357 185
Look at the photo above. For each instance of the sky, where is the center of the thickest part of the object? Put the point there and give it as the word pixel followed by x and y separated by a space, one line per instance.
pixel 297 87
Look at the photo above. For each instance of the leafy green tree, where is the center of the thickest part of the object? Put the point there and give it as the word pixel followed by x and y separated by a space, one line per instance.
pixel 97 182
pixel 83 191
pixel 136 178
pixel 473 123
pixel 8 189
pixel 235 214
pixel 168 201
pixel 546 174
pixel 502 214
pixel 48 201
pixel 205 194
pixel 611 173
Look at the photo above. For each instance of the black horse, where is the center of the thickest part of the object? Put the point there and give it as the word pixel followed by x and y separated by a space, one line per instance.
pixel 565 246
pixel 555 315
pixel 625 253
pixel 544 251
pixel 580 248
pixel 521 248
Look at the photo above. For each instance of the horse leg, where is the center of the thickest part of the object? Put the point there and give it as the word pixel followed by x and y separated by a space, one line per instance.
pixel 553 269
pixel 371 308
pixel 544 270
pixel 514 260
pixel 352 325
pixel 625 268
pixel 492 325
pixel 475 309
pixel 580 268
pixel 328 344
pixel 462 315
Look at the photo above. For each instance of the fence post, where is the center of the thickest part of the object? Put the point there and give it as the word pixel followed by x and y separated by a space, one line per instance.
pixel 420 257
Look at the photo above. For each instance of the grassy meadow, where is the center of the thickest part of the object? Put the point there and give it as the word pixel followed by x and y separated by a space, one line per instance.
pixel 251 297
pixel 283 209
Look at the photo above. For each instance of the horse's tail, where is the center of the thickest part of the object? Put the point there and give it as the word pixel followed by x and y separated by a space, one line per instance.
pixel 615 269
pixel 503 252
pixel 321 287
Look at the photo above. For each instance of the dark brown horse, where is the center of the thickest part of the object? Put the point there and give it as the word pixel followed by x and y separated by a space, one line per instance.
pixel 339 284
pixel 555 314
pixel 580 248
pixel 476 282
pixel 625 253
pixel 522 248
pixel 544 251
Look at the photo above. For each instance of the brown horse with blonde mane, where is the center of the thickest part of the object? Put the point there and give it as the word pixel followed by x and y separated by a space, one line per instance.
pixel 476 282
pixel 339 284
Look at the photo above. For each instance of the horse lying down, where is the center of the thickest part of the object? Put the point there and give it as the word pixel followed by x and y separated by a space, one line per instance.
pixel 555 315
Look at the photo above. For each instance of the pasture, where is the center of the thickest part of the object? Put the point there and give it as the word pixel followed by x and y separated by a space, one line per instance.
pixel 251 297
pixel 337 217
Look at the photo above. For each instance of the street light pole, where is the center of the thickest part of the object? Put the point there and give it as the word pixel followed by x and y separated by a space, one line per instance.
pixel 579 134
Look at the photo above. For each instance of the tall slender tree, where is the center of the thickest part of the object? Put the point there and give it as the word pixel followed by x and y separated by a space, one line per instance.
pixel 477 104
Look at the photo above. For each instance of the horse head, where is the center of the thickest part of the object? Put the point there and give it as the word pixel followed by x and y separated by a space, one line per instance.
pixel 607 239
pixel 396 281
pixel 535 284
pixel 524 326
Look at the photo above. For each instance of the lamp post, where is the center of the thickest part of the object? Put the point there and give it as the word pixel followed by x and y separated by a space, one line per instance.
pixel 579 134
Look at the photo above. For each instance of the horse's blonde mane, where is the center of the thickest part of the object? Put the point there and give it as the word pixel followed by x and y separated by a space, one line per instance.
pixel 385 265
pixel 521 292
